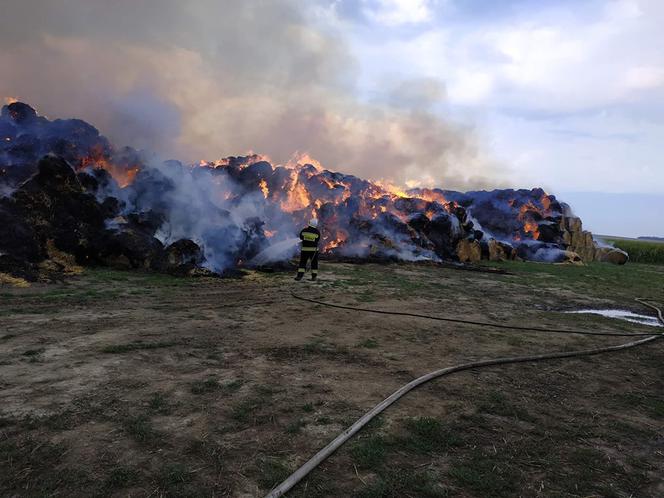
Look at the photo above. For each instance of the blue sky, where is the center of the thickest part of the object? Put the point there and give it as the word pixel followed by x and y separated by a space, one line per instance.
pixel 564 94
pixel 567 95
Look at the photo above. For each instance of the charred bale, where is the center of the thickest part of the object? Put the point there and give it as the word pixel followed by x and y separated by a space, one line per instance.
pixel 97 181
pixel 34 136
pixel 253 239
pixel 151 190
pixel 18 239
pixel 18 268
pixel 419 222
pixel 251 176
pixel 131 248
pixel 54 176
pixel 147 222
pixel 111 207
pixel 410 205
pixel 444 232
pixel 19 113
pixel 181 257
pixel 526 250
pixel 549 231
pixel 55 206
pixel 484 246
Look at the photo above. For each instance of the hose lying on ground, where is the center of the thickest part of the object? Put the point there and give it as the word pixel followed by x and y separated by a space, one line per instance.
pixel 470 322
pixel 319 457
pixel 479 269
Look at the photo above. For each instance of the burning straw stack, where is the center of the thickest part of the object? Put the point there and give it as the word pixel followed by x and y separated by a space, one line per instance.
pixel 69 198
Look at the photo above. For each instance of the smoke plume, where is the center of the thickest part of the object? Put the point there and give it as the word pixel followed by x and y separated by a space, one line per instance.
pixel 207 79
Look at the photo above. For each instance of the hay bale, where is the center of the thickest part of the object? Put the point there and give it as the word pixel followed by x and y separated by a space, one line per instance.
pixel 469 252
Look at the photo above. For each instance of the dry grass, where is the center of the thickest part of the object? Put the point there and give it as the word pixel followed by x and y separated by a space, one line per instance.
pixel 131 384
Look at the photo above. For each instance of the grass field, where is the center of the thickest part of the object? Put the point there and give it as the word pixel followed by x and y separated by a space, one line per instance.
pixel 640 251
pixel 119 384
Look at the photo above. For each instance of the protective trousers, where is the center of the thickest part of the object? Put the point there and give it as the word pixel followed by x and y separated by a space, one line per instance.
pixel 305 256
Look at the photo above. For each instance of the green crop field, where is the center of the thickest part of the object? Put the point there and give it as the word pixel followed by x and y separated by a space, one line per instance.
pixel 640 251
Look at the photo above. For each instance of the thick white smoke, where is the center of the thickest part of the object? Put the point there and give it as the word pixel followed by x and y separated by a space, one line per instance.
pixel 206 206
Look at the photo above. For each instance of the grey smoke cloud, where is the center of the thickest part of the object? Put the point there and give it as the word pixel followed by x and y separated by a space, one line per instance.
pixel 205 79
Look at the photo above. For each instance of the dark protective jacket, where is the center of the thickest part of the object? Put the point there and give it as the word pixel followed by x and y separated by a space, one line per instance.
pixel 310 237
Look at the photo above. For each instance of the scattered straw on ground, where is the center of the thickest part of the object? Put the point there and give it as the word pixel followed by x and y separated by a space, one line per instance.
pixel 66 261
pixel 6 279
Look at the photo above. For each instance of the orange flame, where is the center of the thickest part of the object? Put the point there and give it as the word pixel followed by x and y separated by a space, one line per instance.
pixel 392 189
pixel 264 189
pixel 297 196
pixel 431 196
pixel 339 239
pixel 531 228
pixel 124 175
pixel 373 199
pixel 529 224
pixel 300 159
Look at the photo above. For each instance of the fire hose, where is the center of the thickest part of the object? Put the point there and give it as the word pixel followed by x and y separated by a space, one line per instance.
pixel 469 322
pixel 324 453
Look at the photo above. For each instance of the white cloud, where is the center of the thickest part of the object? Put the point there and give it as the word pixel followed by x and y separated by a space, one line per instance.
pixel 570 96
pixel 398 12
pixel 470 86
pixel 624 9
pixel 644 78
pixel 551 61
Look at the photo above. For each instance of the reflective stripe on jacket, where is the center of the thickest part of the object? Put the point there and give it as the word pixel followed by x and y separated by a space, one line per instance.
pixel 310 237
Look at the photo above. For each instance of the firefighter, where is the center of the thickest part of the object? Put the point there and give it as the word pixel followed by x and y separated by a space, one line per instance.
pixel 310 236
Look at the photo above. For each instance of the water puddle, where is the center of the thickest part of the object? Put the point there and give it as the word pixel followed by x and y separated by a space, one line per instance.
pixel 628 316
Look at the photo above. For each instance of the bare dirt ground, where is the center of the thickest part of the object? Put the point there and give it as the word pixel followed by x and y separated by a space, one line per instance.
pixel 130 384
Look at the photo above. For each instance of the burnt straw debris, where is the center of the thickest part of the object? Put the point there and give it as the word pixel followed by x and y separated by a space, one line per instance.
pixel 68 195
